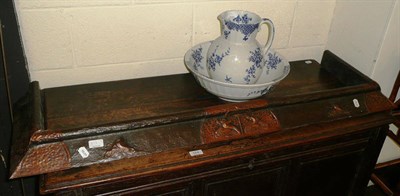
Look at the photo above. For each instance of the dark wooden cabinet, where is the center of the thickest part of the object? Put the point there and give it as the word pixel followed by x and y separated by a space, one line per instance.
pixel 267 181
pixel 319 132
pixel 329 175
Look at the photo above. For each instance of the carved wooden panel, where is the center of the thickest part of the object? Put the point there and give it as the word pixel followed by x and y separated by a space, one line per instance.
pixel 120 149
pixel 239 125
pixel 258 122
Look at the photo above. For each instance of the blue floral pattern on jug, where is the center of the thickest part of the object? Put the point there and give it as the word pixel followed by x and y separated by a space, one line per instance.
pixel 244 19
pixel 226 34
pixel 196 55
pixel 240 24
pixel 215 59
pixel 257 58
pixel 246 60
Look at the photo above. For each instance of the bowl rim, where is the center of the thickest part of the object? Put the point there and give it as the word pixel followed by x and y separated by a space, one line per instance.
pixel 278 79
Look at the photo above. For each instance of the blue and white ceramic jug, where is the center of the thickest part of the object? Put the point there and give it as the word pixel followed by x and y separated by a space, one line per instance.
pixel 236 56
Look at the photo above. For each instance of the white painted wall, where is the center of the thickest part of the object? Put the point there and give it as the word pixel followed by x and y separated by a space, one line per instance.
pixel 83 41
pixel 385 70
pixel 366 34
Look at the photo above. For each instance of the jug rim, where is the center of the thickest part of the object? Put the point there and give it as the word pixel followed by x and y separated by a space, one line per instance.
pixel 234 13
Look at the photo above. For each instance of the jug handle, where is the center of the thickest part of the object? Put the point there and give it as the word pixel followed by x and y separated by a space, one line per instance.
pixel 271 34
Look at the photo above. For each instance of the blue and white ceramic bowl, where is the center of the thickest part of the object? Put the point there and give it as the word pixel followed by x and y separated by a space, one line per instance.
pixel 276 68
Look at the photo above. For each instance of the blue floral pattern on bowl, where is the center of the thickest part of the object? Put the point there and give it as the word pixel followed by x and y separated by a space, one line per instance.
pixel 197 56
pixel 259 92
pixel 228 79
pixel 272 61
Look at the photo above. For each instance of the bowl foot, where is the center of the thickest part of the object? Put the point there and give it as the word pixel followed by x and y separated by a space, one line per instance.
pixel 233 100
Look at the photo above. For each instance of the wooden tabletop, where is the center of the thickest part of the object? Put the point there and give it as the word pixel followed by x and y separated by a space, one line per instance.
pixel 147 116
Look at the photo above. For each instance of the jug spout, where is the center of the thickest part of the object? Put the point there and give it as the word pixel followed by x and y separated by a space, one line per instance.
pixel 240 26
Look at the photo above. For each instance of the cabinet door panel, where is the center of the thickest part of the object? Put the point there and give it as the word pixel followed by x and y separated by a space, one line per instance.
pixel 267 182
pixel 160 192
pixel 170 188
pixel 328 176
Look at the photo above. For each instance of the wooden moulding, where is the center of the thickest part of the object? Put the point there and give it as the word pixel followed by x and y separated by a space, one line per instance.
pixel 145 116
pixel 28 157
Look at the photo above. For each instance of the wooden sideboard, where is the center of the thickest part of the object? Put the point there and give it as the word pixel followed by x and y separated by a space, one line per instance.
pixel 319 132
